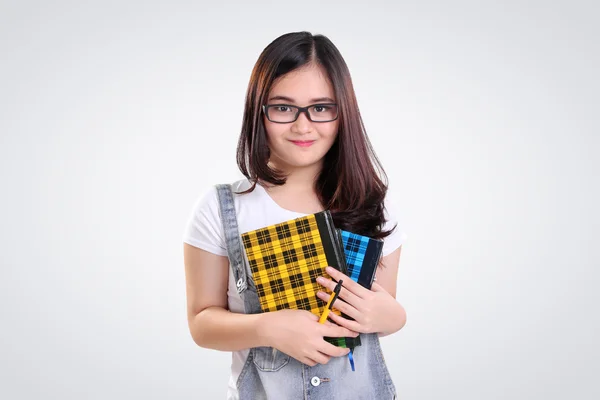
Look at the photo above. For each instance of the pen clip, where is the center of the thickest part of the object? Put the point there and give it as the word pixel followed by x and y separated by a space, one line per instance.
pixel 336 292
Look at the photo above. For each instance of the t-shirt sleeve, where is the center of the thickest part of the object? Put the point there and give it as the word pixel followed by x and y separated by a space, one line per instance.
pixel 203 228
pixel 398 236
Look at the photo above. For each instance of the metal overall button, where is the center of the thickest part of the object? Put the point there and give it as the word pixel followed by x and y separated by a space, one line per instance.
pixel 241 285
pixel 316 381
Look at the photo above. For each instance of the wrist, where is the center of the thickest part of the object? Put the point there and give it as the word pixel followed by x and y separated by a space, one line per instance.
pixel 264 329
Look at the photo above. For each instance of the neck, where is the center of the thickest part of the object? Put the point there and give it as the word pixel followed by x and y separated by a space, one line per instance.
pixel 300 178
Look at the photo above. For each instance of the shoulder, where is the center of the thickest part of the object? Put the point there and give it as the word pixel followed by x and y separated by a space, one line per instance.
pixel 208 201
pixel 204 228
pixel 240 186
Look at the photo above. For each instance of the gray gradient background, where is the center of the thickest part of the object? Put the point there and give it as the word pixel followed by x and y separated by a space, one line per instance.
pixel 115 116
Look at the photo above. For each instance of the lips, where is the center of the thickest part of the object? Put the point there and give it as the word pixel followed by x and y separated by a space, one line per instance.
pixel 303 143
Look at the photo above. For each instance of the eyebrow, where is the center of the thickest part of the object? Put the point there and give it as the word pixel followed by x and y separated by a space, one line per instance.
pixel 317 100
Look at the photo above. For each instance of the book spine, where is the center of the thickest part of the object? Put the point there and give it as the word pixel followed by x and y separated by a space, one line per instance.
pixel 334 251
pixel 370 263
pixel 340 246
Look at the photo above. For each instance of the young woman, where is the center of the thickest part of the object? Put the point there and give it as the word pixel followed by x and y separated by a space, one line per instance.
pixel 303 149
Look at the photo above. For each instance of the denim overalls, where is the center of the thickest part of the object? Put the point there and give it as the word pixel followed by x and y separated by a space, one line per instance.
pixel 270 374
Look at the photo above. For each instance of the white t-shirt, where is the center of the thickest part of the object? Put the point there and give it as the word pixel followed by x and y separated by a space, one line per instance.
pixel 254 210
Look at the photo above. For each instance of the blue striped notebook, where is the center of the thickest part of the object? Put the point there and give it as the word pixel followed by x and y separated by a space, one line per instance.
pixel 362 257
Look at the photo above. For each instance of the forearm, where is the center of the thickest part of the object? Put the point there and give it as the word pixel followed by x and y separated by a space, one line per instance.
pixel 396 321
pixel 220 329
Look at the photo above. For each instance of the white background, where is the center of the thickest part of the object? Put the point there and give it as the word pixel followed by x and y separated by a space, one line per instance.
pixel 116 115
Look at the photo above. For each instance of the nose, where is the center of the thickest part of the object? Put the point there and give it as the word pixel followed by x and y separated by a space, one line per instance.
pixel 302 124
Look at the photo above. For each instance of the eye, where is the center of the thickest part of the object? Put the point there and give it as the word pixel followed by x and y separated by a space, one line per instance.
pixel 321 109
pixel 283 109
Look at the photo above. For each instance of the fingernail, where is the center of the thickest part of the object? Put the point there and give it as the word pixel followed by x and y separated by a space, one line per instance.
pixel 321 279
pixel 329 270
pixel 319 293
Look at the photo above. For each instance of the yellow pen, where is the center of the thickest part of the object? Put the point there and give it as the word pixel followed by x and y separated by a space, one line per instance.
pixel 336 293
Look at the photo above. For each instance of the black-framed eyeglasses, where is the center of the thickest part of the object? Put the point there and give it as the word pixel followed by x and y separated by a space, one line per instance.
pixel 287 113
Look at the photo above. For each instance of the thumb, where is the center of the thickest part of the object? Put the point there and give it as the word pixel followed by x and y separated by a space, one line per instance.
pixel 338 331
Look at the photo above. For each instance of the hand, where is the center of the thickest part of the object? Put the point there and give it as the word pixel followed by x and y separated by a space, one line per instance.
pixel 372 310
pixel 299 334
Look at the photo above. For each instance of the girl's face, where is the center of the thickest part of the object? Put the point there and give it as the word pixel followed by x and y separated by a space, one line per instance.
pixel 302 143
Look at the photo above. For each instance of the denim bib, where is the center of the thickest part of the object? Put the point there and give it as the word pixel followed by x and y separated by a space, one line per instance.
pixel 270 374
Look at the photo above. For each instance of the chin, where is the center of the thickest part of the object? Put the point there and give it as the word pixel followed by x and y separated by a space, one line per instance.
pixel 297 158
pixel 300 162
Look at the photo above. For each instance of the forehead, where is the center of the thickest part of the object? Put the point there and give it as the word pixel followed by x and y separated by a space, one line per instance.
pixel 304 84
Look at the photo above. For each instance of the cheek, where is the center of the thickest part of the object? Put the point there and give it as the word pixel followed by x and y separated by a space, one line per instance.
pixel 274 130
pixel 331 131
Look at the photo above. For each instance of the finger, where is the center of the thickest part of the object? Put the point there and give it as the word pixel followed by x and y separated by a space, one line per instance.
pixel 340 305
pixel 320 357
pixel 352 326
pixel 333 351
pixel 344 293
pixel 329 323
pixel 337 331
pixel 308 361
pixel 349 284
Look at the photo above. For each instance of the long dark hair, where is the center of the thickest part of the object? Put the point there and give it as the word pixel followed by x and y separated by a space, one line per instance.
pixel 352 183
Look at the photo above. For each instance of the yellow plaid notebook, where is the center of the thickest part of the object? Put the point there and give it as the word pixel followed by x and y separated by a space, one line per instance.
pixel 285 260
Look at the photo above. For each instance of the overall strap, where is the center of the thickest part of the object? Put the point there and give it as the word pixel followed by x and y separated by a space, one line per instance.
pixel 243 278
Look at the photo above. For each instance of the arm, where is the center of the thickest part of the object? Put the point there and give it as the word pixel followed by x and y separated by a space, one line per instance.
pixel 387 277
pixel 295 332
pixel 211 324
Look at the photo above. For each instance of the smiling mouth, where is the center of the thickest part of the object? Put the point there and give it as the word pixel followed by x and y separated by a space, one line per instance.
pixel 303 143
